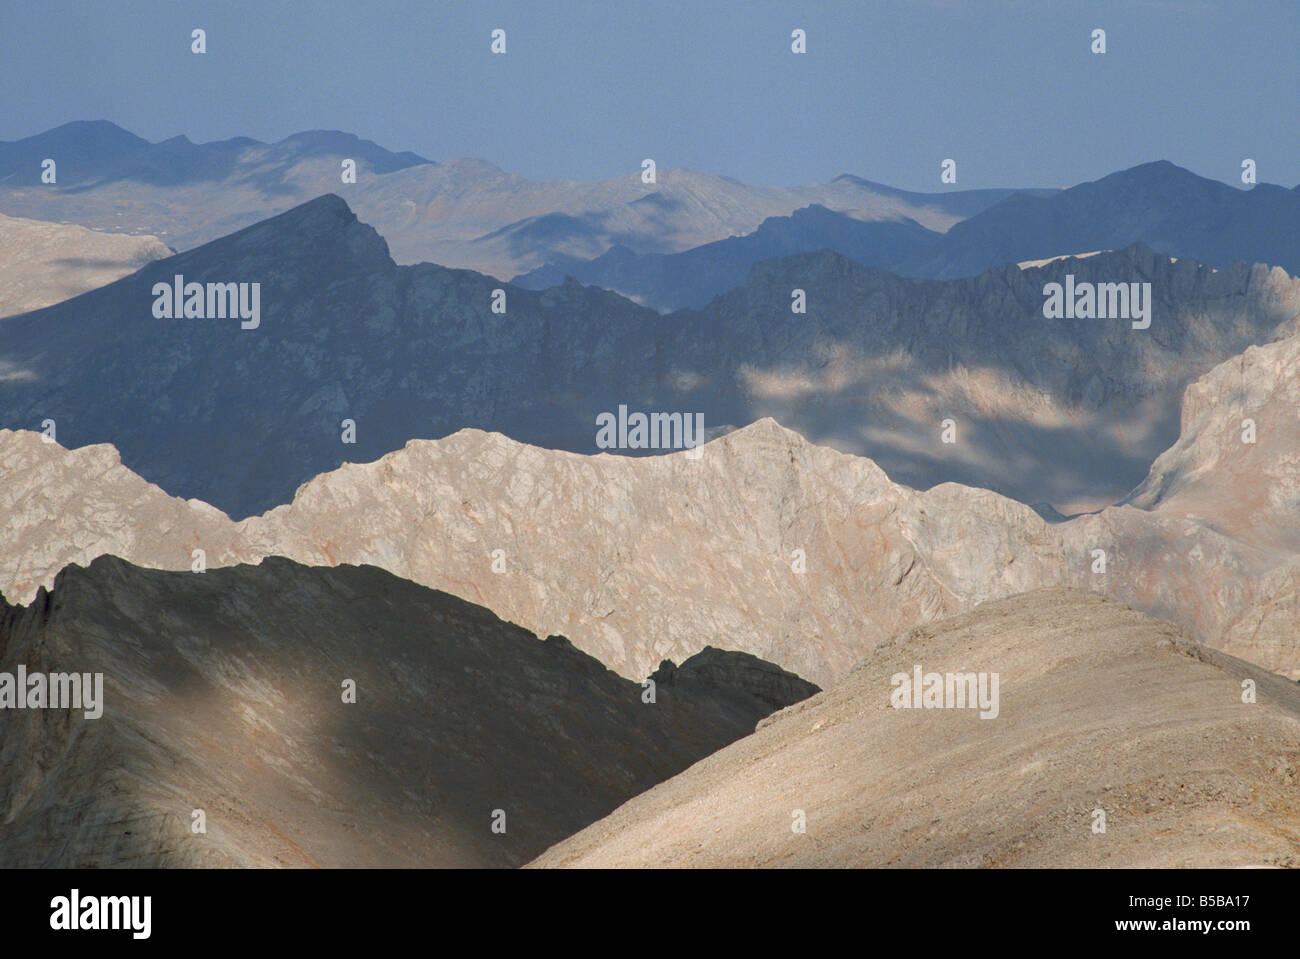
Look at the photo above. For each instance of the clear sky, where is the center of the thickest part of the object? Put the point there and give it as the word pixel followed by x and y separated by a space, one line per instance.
pixel 887 90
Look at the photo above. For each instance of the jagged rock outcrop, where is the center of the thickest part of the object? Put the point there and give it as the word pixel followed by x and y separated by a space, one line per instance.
pixel 44 263
pixel 1214 542
pixel 59 507
pixel 1068 412
pixel 227 692
pixel 1101 712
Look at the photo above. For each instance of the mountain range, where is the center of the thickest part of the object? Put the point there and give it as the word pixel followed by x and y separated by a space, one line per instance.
pixel 464 213
pixel 331 718
pixel 1065 412
pixel 309 486
pixel 764 543
pixel 1159 205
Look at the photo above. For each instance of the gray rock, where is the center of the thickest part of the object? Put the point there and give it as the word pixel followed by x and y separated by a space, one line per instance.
pixel 223 692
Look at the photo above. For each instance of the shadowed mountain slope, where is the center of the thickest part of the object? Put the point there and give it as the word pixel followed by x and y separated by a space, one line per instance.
pixel 1159 205
pixel 225 692
pixel 1068 412
pixel 1165 207
pixel 692 278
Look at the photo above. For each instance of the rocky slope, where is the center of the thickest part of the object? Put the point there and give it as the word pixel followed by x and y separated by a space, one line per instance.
pixel 225 692
pixel 1099 708
pixel 1236 465
pixel 765 543
pixel 1232 478
pixel 1069 412
pixel 45 263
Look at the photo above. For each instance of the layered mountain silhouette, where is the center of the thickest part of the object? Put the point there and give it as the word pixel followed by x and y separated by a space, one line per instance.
pixel 313 548
pixel 465 213
pixel 692 278
pixel 97 153
pixel 228 692
pixel 763 543
pixel 1068 412
pixel 1105 716
pixel 1160 205
pixel 1163 206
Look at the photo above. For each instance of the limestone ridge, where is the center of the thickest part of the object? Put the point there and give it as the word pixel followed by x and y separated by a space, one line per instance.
pixel 638 560
pixel 224 692
pixel 1069 413
pixel 1101 708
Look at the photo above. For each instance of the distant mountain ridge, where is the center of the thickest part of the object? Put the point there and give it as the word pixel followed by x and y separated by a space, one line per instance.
pixel 97 152
pixel 1061 411
pixel 464 213
pixel 1159 205
pixel 692 278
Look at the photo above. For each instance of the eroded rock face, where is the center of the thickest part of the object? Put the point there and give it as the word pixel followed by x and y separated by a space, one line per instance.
pixel 1236 465
pixel 44 263
pixel 225 692
pixel 1214 540
pixel 1099 708
pixel 765 543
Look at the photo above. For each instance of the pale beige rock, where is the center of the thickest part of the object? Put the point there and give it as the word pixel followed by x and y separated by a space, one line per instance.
pixel 43 263
pixel 1100 708
pixel 1236 465
pixel 635 559
pixel 641 559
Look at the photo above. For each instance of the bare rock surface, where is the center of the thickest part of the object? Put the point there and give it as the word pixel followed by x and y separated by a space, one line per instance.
pixel 765 543
pixel 1236 465
pixel 44 263
pixel 224 692
pixel 1100 708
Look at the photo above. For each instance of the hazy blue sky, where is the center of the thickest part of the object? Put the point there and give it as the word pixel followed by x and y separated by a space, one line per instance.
pixel 887 90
